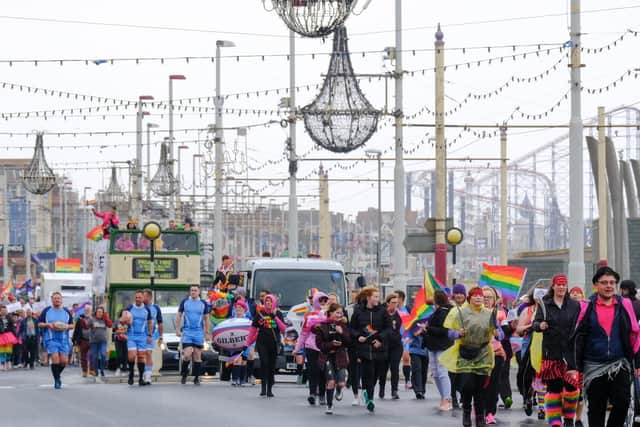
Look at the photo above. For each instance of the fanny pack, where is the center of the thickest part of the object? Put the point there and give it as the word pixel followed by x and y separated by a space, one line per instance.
pixel 471 352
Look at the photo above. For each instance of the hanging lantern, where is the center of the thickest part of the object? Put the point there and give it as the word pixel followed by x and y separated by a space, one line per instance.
pixel 164 183
pixel 38 178
pixel 340 119
pixel 113 195
pixel 313 18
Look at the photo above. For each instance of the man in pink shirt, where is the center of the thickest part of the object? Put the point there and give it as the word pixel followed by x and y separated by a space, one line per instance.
pixel 607 343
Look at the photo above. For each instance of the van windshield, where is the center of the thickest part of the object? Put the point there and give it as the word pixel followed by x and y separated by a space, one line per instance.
pixel 291 286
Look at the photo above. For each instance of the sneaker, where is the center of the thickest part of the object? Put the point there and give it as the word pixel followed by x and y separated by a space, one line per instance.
pixel 299 379
pixel 578 423
pixel 329 410
pixel 57 384
pixel 196 380
pixel 183 380
pixel 102 374
pixel 234 383
pixel 84 374
pixel 490 420
pixel 130 380
pixel 312 400
pixel 568 422
pixel 541 414
pixel 407 386
pixel 322 401
pixel 508 401
pixel 118 372
pixel 356 401
pixel 338 394
pixel 419 396
pixel 381 395
pixel 394 395
pixel 528 407
pixel 371 406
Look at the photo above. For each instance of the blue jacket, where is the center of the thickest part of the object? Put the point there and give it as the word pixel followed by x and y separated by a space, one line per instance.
pixel 415 344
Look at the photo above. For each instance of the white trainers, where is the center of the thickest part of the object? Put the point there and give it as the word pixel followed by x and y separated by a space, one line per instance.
pixel 356 402
pixel 329 410
pixel 118 372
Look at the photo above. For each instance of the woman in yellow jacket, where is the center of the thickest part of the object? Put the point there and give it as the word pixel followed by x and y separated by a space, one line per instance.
pixel 471 357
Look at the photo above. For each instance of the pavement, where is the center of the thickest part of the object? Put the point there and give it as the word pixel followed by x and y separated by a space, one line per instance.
pixel 28 398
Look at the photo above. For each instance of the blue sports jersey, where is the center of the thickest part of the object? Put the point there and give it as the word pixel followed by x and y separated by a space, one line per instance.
pixel 140 317
pixel 192 311
pixel 52 315
pixel 156 317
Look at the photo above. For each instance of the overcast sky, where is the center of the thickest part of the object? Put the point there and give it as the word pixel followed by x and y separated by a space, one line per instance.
pixel 255 31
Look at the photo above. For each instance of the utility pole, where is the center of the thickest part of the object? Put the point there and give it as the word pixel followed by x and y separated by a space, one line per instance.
pixel 503 196
pixel 399 255
pixel 293 160
pixel 5 244
pixel 602 188
pixel 441 163
pixel 576 214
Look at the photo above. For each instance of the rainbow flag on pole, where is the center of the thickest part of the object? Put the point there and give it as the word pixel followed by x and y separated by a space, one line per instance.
pixel 68 265
pixel 423 306
pixel 505 278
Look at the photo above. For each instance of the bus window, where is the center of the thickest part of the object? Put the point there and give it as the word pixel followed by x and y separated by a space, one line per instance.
pixel 124 241
pixel 180 241
pixel 291 286
pixel 122 298
pixel 170 298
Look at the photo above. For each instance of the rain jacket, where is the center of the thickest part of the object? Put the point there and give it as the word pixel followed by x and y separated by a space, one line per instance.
pixel 307 338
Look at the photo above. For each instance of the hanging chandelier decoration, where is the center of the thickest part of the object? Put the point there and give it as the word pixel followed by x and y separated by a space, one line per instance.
pixel 113 195
pixel 38 178
pixel 164 183
pixel 340 119
pixel 313 18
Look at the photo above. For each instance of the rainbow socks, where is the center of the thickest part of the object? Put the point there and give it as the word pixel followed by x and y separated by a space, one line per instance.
pixel 553 408
pixel 569 403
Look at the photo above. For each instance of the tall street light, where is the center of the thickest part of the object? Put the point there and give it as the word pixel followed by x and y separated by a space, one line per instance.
pixel 149 127
pixel 137 173
pixel 179 177
pixel 172 77
pixel 378 155
pixel 84 231
pixel 219 141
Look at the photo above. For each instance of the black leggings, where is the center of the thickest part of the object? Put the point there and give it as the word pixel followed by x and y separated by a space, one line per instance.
pixel 393 364
pixel 332 373
pixel 268 354
pixel 473 390
pixel 354 372
pixel 525 376
pixel 317 382
pixel 121 355
pixel 369 370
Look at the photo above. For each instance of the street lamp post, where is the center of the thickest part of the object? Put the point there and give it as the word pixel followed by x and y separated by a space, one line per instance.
pixel 179 177
pixel 219 153
pixel 378 155
pixel 151 230
pixel 84 229
pixel 149 127
pixel 172 77
pixel 136 209
pixel 454 237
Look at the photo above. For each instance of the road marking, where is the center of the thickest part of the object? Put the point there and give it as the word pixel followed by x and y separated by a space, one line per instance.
pixel 6 387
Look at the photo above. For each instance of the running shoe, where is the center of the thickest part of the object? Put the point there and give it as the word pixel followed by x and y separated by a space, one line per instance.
pixel 322 401
pixel 338 394
pixel 183 380
pixel 508 401
pixel 541 414
pixel 130 380
pixel 57 384
pixel 196 380
pixel 394 395
pixel 356 401
pixel 369 403
pixel 528 407
pixel 490 420
pixel 312 400
pixel 299 379
pixel 329 410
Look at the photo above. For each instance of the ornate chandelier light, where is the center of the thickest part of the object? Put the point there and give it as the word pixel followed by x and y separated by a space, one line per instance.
pixel 38 178
pixel 164 183
pixel 113 195
pixel 313 18
pixel 340 119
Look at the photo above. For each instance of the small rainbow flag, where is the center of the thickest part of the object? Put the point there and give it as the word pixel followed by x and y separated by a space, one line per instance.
pixel 95 234
pixel 369 330
pixel 423 306
pixel 300 310
pixel 68 265
pixel 505 278
pixel 232 359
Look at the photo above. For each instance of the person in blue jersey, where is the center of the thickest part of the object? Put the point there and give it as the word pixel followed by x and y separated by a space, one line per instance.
pixel 158 330
pixel 54 323
pixel 192 323
pixel 140 334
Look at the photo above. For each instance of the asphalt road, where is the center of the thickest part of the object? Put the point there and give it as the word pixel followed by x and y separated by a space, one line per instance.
pixel 27 398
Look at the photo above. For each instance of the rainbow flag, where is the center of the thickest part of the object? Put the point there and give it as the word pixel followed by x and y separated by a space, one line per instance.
pixel 68 265
pixel 369 330
pixel 505 278
pixel 231 360
pixel 423 306
pixel 300 310
pixel 80 308
pixel 95 234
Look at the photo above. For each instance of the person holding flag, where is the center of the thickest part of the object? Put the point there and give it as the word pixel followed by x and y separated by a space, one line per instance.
pixel 394 349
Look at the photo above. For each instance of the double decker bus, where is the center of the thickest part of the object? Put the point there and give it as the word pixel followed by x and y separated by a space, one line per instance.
pixel 176 267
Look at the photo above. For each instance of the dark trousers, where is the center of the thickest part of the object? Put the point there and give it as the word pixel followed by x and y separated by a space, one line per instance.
pixel 491 402
pixel 84 349
pixel 121 355
pixel 525 376
pixel 317 381
pixel 504 386
pixel 419 371
pixel 30 350
pixel 268 354
pixel 473 390
pixel 354 372
pixel 393 364
pixel 17 354
pixel 369 371
pixel 616 391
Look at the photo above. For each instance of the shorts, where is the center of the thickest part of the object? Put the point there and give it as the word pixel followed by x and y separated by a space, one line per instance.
pixel 150 347
pixel 137 342
pixel 193 339
pixel 57 346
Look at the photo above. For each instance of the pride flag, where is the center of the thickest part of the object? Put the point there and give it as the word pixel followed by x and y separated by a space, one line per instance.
pixel 95 234
pixel 68 265
pixel 505 278
pixel 300 310
pixel 423 306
